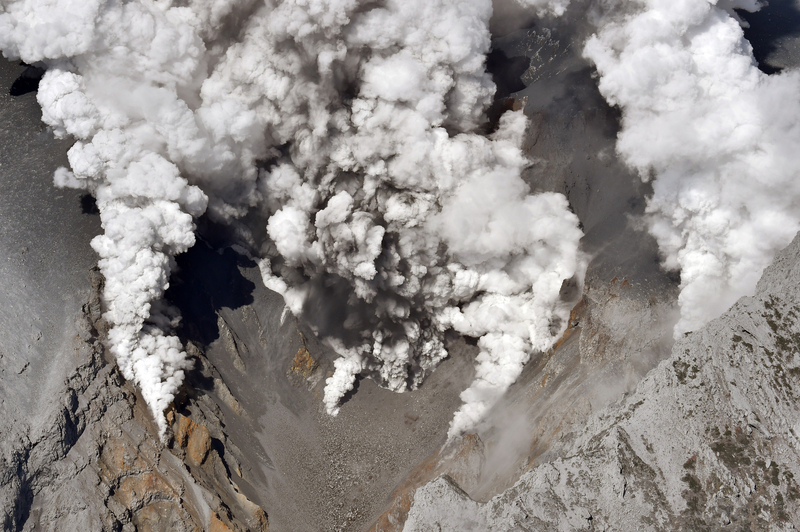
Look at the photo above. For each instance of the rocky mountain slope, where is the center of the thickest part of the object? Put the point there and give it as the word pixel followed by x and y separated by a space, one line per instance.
pixel 709 440
pixel 78 448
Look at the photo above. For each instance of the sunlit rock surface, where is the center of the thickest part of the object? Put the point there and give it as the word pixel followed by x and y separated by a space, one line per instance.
pixel 708 440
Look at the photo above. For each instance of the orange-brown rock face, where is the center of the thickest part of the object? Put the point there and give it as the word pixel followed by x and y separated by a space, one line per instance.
pixel 194 438
pixel 234 511
pixel 215 525
pixel 305 369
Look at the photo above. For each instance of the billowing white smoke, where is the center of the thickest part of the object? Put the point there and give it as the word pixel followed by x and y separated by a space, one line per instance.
pixel 719 138
pixel 429 227
pixel 113 74
pixel 546 7
pixel 351 127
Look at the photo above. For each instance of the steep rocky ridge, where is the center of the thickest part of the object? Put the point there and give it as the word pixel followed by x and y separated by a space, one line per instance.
pixel 97 464
pixel 709 440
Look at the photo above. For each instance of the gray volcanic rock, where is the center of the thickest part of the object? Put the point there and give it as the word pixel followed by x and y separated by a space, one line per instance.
pixel 44 274
pixel 708 440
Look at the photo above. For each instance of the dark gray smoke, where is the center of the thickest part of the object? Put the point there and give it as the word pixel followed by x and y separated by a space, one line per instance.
pixel 353 130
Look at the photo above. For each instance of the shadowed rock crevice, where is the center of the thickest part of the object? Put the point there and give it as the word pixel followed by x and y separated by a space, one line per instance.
pixel 28 81
pixel 89 205
pixel 206 281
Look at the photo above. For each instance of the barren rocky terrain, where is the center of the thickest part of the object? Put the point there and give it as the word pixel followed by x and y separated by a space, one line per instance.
pixel 615 428
pixel 708 440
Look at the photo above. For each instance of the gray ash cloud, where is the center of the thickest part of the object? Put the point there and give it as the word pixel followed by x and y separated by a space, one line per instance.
pixel 351 129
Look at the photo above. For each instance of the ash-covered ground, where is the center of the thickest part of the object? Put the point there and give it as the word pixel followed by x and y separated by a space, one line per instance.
pixel 44 274
pixel 45 237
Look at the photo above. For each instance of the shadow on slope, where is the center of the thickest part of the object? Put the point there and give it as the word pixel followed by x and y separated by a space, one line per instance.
pixel 770 30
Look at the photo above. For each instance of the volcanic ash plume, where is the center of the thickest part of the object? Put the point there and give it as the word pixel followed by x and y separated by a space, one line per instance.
pixel 352 129
pixel 718 137
pixel 396 211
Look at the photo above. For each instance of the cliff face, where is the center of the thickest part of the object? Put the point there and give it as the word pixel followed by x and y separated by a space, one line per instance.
pixel 708 440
